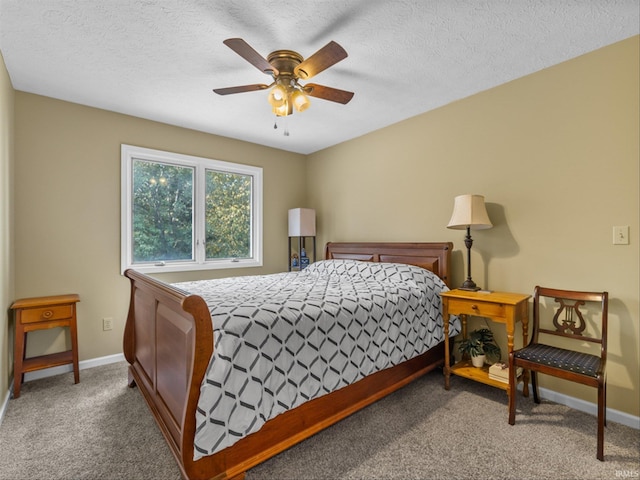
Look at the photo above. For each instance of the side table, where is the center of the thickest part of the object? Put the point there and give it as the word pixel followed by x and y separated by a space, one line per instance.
pixel 500 307
pixel 41 313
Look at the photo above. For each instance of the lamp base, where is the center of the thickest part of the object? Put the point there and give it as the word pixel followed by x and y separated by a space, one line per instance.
pixel 469 285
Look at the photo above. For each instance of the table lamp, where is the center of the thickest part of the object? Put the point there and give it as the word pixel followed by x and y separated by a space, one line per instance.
pixel 470 213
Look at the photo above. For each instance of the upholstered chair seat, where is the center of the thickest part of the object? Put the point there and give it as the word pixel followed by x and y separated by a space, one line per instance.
pixel 572 361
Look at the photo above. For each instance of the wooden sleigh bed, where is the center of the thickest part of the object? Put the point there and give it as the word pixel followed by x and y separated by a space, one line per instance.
pixel 168 342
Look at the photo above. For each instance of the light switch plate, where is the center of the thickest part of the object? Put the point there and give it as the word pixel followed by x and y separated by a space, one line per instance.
pixel 621 235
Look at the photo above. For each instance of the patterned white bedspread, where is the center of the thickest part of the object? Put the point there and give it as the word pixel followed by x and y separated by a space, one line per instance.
pixel 283 339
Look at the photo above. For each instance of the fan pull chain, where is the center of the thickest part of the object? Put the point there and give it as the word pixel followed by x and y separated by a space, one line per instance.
pixel 286 126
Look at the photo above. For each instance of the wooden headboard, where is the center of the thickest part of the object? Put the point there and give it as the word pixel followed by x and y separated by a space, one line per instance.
pixel 435 257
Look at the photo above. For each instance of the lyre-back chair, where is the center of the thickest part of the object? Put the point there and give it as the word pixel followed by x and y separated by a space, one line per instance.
pixel 584 364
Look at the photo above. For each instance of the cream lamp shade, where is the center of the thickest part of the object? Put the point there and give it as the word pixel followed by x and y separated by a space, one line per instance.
pixel 469 213
pixel 302 222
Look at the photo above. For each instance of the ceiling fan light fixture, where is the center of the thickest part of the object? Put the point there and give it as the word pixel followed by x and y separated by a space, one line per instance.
pixel 277 96
pixel 286 67
pixel 300 100
pixel 283 110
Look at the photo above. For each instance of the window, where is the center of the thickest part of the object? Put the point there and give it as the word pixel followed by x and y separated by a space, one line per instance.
pixel 184 213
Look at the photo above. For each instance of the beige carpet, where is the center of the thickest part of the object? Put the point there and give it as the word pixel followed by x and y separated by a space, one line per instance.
pixel 100 429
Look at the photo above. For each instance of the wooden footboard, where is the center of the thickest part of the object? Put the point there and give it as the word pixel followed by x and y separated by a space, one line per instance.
pixel 168 342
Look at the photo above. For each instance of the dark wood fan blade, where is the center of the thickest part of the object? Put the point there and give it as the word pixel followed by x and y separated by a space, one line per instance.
pixel 247 52
pixel 328 93
pixel 240 89
pixel 327 56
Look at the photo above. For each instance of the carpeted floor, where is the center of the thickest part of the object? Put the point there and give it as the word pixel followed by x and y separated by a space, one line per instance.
pixel 101 429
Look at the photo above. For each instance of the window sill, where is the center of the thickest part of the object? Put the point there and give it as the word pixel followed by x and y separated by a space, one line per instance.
pixel 188 267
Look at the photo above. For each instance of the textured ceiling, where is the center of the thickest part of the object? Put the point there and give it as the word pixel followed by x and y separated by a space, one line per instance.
pixel 160 59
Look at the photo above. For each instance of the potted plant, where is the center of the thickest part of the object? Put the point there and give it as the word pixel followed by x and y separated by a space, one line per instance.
pixel 480 346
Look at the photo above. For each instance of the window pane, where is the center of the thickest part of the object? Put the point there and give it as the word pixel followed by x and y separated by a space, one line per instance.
pixel 162 213
pixel 183 213
pixel 228 215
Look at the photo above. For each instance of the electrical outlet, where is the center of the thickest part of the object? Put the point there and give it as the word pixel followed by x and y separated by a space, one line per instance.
pixel 621 235
pixel 107 324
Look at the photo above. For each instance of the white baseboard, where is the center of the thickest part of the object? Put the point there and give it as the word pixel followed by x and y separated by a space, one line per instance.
pixel 50 372
pixel 92 362
pixel 588 407
pixel 5 404
pixel 582 405
pixel 571 402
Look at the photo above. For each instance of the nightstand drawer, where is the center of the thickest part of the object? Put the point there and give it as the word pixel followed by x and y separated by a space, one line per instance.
pixel 44 314
pixel 478 308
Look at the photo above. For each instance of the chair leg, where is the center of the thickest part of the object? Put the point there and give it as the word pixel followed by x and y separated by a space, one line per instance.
pixel 512 391
pixel 534 384
pixel 601 420
pixel 604 401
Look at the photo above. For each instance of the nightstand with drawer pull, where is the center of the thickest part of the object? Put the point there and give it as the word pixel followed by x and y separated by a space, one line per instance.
pixel 41 313
pixel 500 307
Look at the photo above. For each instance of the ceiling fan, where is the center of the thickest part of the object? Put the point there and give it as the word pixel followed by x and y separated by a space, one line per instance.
pixel 287 68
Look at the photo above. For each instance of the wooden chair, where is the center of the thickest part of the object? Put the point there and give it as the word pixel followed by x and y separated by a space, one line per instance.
pixel 586 364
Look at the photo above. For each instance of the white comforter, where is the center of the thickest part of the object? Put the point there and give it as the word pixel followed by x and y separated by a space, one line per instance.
pixel 283 339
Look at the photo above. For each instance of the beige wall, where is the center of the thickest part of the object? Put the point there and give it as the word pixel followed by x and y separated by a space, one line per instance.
pixel 556 155
pixel 67 208
pixel 6 227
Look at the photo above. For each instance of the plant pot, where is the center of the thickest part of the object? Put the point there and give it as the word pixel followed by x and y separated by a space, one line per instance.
pixel 478 361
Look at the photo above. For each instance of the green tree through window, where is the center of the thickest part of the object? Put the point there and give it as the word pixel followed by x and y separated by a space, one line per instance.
pixel 181 212
pixel 228 215
pixel 162 212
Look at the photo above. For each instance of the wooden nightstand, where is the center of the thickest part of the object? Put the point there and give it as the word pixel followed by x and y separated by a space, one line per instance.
pixel 40 313
pixel 501 307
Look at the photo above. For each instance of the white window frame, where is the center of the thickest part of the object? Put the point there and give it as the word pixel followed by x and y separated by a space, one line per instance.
pixel 129 153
